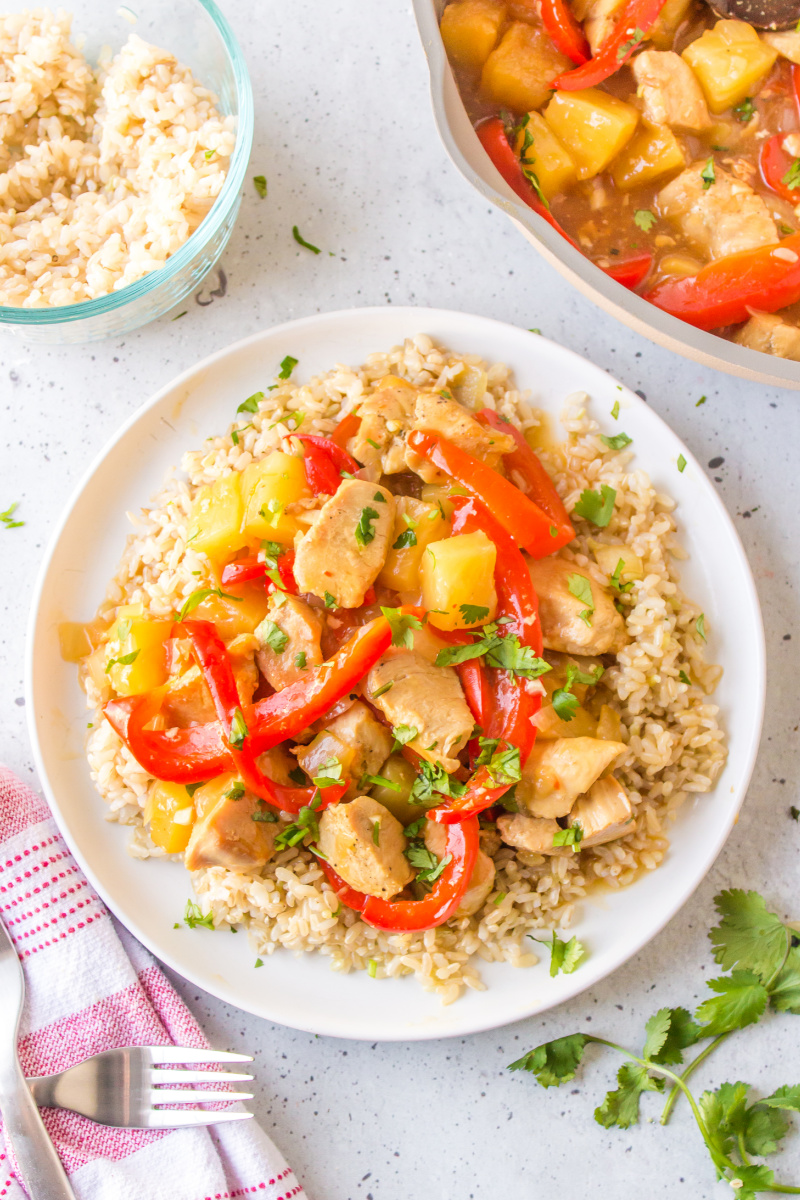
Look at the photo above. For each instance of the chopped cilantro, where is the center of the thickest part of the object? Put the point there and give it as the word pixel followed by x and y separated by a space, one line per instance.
pixel 376 831
pixel 565 703
pixel 794 813
pixel 615 410
pixel 270 634
pixel 191 788
pixel 406 538
pixel 473 614
pixel 380 781
pixel 235 791
pixel 645 219
pixel 191 602
pixel 700 626
pixel 288 364
pixel 383 690
pixel 264 815
pixel 703 399
pixel 239 729
pixel 596 507
pixel 708 175
pixel 372 968
pixel 568 837
pixel 301 241
pixel 628 47
pixel 434 780
pixel 618 442
pixel 300 660
pixel 684 678
pixel 792 176
pixel 403 734
pixel 745 110
pixel 616 578
pixel 329 773
pixel 505 653
pixel 260 184
pixel 306 825
pixel 580 587
pixel 401 625
pixel 681 463
pixel 379 498
pixel 259 962
pixel 330 601
pixel 428 866
pixel 504 765
pixel 375 445
pixel 364 531
pixel 195 916
pixel 250 405
pixel 124 660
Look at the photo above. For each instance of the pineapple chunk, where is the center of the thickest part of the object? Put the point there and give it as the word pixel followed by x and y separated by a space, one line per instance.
pixel 214 528
pixel 169 812
pixel 541 152
pixel 652 152
pixel 469 31
pixel 459 571
pixel 235 615
pixel 519 72
pixel 730 62
pixel 268 487
pixel 662 35
pixel 593 126
pixel 143 643
pixel 425 524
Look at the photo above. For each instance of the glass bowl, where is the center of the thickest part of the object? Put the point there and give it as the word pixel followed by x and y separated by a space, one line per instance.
pixel 199 36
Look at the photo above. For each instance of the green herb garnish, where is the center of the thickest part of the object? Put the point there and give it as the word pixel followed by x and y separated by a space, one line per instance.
pixel 572 836
pixel 260 184
pixel 330 601
pixel 473 614
pixel 402 625
pixel 745 110
pixel 124 660
pixel 239 730
pixel 596 507
pixel 288 364
pixel 645 219
pixel 580 587
pixel 306 825
pixel 708 175
pixel 191 602
pixel 618 442
pixel 364 531
pixel 270 634
pixel 195 916
pixel 301 241
pixel 235 791
pixel 300 660
pixel 250 405
pixel 700 626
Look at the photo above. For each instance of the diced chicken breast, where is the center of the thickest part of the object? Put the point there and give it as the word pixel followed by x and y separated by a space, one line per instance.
pixel 345 549
pixel 723 218
pixel 435 413
pixel 425 697
pixel 187 700
pixel 786 43
pixel 534 834
pixel 386 417
pixel 771 334
pixel 481 880
pixel 556 773
pixel 365 844
pixel 297 622
pixel 604 813
pixel 670 90
pixel 361 730
pixel 599 19
pixel 563 627
pixel 227 836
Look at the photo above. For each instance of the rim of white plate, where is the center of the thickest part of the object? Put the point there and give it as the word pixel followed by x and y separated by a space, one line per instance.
pixel 458 1019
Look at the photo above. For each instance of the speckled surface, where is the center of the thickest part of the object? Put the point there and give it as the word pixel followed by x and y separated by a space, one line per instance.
pixel 345 137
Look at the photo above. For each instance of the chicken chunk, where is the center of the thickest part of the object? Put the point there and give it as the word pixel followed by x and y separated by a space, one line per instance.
pixel 786 43
pixel 386 417
pixel 435 413
pixel 365 844
pixel 343 552
pixel 556 773
pixel 563 627
pixel 369 738
pixel 599 19
pixel 290 628
pixel 770 333
pixel 187 700
pixel 723 218
pixel 670 90
pixel 534 834
pixel 426 698
pixel 604 813
pixel 225 835
pixel 481 880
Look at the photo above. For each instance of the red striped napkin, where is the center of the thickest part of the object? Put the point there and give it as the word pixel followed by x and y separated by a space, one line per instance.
pixel 90 987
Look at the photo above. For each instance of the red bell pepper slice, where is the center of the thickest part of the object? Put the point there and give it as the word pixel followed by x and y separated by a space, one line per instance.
pixel 774 163
pixel 528 524
pixel 492 135
pixel 198 754
pixel 725 291
pixel 566 32
pixel 631 271
pixel 321 475
pixel 530 477
pixel 346 429
pixel 398 916
pixel 253 567
pixel 637 20
pixel 341 460
pixel 513 706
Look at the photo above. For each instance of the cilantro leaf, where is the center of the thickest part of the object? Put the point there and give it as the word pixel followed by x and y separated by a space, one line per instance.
pixel 657 1029
pixel 571 836
pixel 288 364
pixel 785 994
pixel 708 174
pixel 250 405
pixel 681 463
pixel 792 176
pixel 618 442
pixel 260 184
pixel 364 531
pixel 191 602
pixel 745 110
pixel 621 1107
pixel 763 1129
pixel 306 825
pixel 124 660
pixel 239 730
pixel 403 734
pixel 596 507
pixel 330 772
pixel 503 765
pixel 748 936
pixel 301 241
pixel 7 517
pixel 433 780
pixel 645 219
pixel 300 660
pixel 473 614
pixel 428 866
pixel 784 1097
pixel 741 999
pixel 681 1032
pixel 580 587
pixel 330 601
pixel 749 1181
pixel 565 705
pixel 555 1062
pixel 402 625
pixel 195 916
pixel 270 634
pixel 405 539
pixel 565 956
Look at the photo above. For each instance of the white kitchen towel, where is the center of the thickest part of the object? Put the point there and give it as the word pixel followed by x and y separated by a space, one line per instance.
pixel 90 987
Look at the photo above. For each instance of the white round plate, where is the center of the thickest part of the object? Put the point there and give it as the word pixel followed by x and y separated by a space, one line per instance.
pixel 149 897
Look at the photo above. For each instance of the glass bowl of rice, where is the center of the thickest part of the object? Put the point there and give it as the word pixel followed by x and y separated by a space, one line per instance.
pixel 122 156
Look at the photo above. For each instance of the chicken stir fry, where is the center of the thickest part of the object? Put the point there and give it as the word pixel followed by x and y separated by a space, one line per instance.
pixel 661 140
pixel 395 663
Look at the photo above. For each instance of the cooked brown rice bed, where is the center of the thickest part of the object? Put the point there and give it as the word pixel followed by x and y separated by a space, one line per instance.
pixel 676 743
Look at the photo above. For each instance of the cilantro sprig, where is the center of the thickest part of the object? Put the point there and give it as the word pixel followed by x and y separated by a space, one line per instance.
pixel 503 651
pixel 762 955
pixel 564 701
pixel 596 507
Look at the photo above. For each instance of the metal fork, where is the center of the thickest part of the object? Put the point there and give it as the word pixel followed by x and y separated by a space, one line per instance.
pixel 126 1087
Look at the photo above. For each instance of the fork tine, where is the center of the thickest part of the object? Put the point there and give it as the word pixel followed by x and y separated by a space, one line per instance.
pixel 173 1075
pixel 184 1054
pixel 193 1096
pixel 165 1118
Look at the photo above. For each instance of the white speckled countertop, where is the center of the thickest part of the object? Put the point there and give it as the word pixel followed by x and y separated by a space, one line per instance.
pixel 345 136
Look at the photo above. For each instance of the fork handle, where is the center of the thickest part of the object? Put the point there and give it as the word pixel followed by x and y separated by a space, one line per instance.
pixel 42 1172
